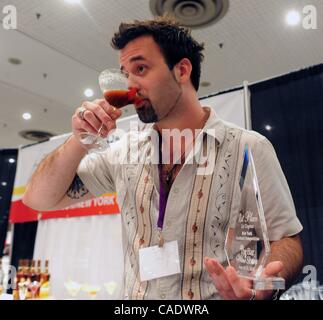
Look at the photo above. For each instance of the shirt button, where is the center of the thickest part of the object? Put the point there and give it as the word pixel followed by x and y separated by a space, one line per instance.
pixel 168 224
pixel 176 190
pixel 163 296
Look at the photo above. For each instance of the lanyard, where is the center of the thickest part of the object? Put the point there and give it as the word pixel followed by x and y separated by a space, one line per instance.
pixel 162 200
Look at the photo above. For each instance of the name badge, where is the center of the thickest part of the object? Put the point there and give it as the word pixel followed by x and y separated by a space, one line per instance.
pixel 157 262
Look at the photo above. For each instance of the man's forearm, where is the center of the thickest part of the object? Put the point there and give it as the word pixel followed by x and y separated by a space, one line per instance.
pixel 290 252
pixel 53 176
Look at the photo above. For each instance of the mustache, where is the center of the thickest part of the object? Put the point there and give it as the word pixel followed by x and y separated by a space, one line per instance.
pixel 140 95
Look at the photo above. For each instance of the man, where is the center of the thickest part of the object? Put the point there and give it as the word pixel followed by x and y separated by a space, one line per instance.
pixel 173 203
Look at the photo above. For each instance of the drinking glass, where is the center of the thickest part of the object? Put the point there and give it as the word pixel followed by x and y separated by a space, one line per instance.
pixel 114 86
pixel 111 287
pixel 73 288
pixel 91 290
pixel 22 289
pixel 34 287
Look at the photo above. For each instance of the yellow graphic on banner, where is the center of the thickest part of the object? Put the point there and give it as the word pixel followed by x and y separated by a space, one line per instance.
pixel 18 191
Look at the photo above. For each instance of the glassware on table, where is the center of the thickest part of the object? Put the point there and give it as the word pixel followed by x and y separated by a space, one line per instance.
pixel 114 86
pixel 91 290
pixel 22 290
pixel 34 287
pixel 110 287
pixel 73 288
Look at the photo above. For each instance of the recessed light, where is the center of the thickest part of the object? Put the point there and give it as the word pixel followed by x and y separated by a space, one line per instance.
pixel 268 127
pixel 293 18
pixel 26 116
pixel 88 93
pixel 11 160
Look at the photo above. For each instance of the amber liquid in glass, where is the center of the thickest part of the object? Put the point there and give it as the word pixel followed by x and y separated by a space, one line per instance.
pixel 121 98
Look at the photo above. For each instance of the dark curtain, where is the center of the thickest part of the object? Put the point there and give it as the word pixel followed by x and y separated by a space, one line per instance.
pixel 24 234
pixel 292 105
pixel 8 163
pixel 23 241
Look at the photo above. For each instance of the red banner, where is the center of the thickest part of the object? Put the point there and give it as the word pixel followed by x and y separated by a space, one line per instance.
pixel 105 204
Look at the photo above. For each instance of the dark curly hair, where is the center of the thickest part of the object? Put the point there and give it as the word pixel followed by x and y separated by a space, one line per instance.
pixel 174 41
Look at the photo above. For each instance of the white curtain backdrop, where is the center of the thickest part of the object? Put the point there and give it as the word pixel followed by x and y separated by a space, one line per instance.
pixel 86 250
pixel 228 106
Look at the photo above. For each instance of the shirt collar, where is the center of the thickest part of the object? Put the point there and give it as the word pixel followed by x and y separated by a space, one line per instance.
pixel 214 126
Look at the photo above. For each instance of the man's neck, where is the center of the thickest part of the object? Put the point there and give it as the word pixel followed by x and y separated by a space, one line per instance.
pixel 186 117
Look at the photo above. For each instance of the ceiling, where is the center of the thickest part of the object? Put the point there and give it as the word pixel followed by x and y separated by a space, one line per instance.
pixel 64 50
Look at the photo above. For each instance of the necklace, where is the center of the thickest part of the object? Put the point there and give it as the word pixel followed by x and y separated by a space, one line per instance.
pixel 169 174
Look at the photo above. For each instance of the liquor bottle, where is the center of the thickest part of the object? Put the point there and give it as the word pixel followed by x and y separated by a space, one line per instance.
pixel 1 277
pixel 20 272
pixel 15 291
pixel 33 274
pixel 44 280
pixel 27 275
pixel 46 273
pixel 38 277
pixel 14 282
pixel 38 271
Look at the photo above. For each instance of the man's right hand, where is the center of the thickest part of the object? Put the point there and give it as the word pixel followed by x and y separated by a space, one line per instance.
pixel 91 115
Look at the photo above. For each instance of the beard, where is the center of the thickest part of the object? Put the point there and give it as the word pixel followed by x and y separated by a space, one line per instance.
pixel 147 114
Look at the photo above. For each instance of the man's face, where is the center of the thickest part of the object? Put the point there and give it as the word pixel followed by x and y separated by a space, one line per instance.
pixel 143 62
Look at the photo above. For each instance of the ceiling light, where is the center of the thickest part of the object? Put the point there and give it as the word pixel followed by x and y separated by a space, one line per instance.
pixel 268 127
pixel 88 93
pixel 26 116
pixel 3 183
pixel 293 18
pixel 11 160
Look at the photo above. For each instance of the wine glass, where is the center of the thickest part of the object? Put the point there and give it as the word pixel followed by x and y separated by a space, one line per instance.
pixel 73 288
pixel 91 290
pixel 34 287
pixel 114 86
pixel 22 289
pixel 111 287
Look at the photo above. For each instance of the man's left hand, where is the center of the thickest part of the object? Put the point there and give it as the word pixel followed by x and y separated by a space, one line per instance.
pixel 232 287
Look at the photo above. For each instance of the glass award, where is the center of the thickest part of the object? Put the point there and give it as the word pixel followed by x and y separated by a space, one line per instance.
pixel 247 244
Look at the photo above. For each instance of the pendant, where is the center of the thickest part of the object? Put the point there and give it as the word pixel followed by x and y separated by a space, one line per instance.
pixel 168 178
pixel 161 240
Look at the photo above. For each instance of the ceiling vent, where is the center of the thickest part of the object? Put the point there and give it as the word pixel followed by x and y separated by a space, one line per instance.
pixel 35 135
pixel 191 13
